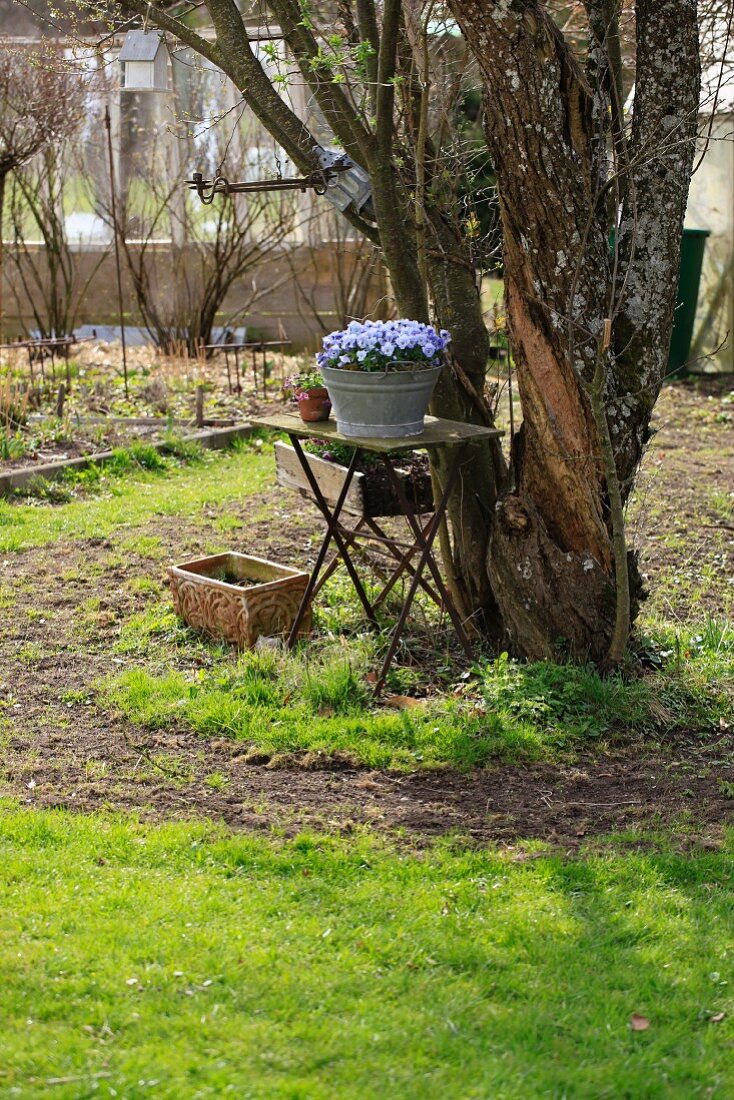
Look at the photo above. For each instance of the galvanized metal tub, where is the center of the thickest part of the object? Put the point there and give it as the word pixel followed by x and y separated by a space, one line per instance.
pixel 388 404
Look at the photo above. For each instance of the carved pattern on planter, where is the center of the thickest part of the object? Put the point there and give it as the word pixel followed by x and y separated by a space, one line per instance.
pixel 239 615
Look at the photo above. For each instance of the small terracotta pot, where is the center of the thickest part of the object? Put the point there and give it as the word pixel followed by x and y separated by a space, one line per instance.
pixel 315 405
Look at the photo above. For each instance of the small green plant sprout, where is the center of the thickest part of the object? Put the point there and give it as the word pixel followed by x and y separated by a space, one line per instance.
pixel 12 444
pixel 216 781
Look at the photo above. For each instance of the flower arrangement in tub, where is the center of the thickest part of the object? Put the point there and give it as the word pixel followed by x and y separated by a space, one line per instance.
pixel 380 375
pixel 384 345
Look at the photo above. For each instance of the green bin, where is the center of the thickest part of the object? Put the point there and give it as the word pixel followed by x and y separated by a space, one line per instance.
pixel 691 261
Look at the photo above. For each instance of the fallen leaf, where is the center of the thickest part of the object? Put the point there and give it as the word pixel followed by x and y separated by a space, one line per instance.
pixel 367 784
pixel 401 702
pixel 639 1023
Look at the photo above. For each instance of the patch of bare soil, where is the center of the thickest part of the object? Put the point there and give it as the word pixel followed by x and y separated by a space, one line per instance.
pixel 99 763
pixel 70 599
pixel 682 513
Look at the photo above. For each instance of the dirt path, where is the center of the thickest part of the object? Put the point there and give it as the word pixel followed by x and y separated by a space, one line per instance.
pixel 97 765
pixel 63 606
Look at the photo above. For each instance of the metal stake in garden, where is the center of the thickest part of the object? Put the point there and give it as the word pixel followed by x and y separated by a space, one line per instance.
pixel 108 128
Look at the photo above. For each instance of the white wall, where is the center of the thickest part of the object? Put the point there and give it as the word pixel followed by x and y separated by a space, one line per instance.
pixel 711 206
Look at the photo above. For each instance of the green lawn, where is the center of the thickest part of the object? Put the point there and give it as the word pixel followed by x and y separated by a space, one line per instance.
pixel 172 490
pixel 318 701
pixel 182 961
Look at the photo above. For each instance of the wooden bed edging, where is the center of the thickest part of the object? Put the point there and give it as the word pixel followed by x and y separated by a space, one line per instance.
pixel 217 439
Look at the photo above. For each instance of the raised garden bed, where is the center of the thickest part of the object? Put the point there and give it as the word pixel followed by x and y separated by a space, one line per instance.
pixel 238 598
pixel 41 440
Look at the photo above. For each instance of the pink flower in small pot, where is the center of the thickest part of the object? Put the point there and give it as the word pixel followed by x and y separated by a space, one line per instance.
pixel 314 404
pixel 307 389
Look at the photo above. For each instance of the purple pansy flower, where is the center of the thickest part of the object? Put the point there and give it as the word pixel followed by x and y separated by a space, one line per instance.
pixel 376 345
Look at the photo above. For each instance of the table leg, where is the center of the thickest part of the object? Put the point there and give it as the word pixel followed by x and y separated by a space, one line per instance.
pixel 420 538
pixel 425 559
pixel 350 538
pixel 332 531
pixel 391 548
pixel 404 563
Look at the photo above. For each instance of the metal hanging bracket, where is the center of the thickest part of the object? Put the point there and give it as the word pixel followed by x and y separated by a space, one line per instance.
pixel 342 181
pixel 317 181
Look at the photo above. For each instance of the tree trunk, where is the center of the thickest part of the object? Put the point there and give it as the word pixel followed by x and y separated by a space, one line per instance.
pixel 460 397
pixel 3 179
pixel 551 558
pixel 458 309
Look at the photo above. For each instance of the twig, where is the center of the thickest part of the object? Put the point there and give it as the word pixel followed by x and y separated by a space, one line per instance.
pixel 606 805
pixel 75 1077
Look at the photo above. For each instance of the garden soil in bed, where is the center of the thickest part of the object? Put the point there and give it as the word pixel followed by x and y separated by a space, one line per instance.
pixel 160 387
pixel 63 748
pixel 85 441
pixel 415 475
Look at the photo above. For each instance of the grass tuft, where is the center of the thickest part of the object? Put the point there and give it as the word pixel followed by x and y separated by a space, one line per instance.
pixel 335 688
pixel 319 700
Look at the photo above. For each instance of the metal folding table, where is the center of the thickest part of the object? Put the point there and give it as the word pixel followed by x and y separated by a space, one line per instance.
pixel 437 433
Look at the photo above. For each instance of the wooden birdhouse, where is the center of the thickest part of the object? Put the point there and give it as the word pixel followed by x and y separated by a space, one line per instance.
pixel 144 61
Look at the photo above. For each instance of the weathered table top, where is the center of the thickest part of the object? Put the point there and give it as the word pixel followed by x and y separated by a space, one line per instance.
pixel 436 433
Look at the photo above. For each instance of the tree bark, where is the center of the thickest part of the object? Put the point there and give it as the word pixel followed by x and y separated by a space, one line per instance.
pixel 3 181
pixel 551 556
pixel 460 396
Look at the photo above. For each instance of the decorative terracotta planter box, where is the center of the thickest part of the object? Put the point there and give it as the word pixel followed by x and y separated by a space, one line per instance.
pixel 238 598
